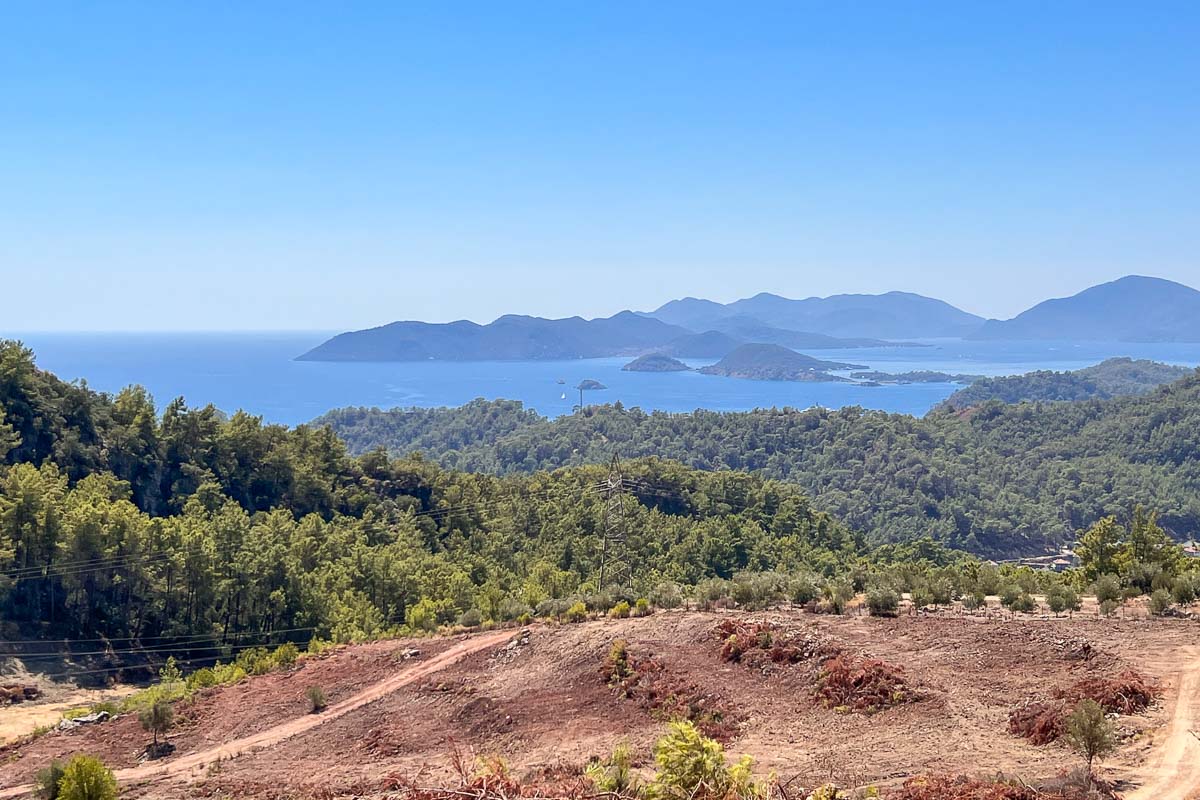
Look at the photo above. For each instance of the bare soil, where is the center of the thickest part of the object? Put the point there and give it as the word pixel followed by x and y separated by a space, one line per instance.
pixel 540 703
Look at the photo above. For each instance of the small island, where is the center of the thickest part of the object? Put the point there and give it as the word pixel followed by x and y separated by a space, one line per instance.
pixel 772 362
pixel 655 362
pixel 590 385
pixel 877 378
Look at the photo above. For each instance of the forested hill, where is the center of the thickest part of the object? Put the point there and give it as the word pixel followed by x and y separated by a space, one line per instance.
pixel 118 522
pixel 1116 377
pixel 998 479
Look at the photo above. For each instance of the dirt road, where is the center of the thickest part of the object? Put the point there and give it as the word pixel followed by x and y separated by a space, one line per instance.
pixel 1173 769
pixel 193 763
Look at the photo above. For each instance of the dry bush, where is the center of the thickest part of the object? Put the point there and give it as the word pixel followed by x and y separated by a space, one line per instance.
pixel 1040 723
pixel 757 643
pixel 656 689
pixel 865 685
pixel 1044 722
pixel 1127 693
pixel 1074 785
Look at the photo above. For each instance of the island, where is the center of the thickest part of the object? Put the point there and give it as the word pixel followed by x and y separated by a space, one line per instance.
pixel 1115 377
pixel 772 362
pixel 656 362
pixel 590 385
pixel 877 378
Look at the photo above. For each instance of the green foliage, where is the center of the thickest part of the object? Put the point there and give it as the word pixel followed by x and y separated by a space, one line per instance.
pixel 1107 587
pixel 1160 602
pixel 316 699
pixel 1109 607
pixel 666 594
pixel 883 601
pixel 577 613
pixel 620 610
pixel 157 718
pixel 1062 598
pixel 1002 480
pixel 422 616
pixel 615 775
pixel 86 778
pixel 1090 733
pixel 47 781
pixel 692 766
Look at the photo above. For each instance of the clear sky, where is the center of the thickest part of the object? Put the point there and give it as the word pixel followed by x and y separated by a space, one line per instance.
pixel 177 165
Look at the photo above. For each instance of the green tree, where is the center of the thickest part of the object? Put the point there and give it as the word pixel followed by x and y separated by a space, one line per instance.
pixel 1090 733
pixel 157 718
pixel 1099 547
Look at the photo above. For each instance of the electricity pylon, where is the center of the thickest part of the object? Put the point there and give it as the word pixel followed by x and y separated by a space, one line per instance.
pixel 615 565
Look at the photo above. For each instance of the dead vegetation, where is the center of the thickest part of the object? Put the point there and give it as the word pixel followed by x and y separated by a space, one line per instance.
pixel 862 685
pixel 756 643
pixel 1045 721
pixel 1074 785
pixel 647 681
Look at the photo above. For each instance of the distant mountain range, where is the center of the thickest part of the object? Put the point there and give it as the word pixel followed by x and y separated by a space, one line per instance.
pixel 1132 309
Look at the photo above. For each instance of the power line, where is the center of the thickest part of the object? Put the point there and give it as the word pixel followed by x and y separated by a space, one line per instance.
pixel 198 636
pixel 179 645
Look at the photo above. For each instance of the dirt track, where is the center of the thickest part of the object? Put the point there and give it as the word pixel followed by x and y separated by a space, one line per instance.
pixel 1173 769
pixel 193 762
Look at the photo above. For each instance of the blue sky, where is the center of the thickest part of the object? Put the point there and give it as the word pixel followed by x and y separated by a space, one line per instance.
pixel 339 165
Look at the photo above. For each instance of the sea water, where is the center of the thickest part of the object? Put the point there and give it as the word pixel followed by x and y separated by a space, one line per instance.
pixel 257 372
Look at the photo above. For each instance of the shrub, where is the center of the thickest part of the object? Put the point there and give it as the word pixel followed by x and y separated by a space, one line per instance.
pixel 286 654
pixel 619 611
pixel 1089 733
pixel 317 701
pixel 1023 603
pixel 1109 607
pixel 1183 590
pixel 47 781
pixel 973 601
pixel 157 718
pixel 511 609
pixel 202 678
pixel 641 608
pixel 1107 587
pixel 666 594
pixel 690 765
pixel 1009 595
pixel 883 602
pixel 756 590
pixel 1160 602
pixel 86 778
pixel 471 618
pixel 711 592
pixel 422 616
pixel 615 774
pixel 803 589
pixel 577 612
pixel 617 666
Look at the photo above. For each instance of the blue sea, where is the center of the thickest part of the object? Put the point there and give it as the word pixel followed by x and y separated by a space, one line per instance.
pixel 257 372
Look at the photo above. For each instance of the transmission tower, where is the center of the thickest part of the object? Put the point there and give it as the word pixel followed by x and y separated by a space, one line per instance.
pixel 615 565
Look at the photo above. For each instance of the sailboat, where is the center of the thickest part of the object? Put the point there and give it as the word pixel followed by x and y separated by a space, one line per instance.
pixel 564 396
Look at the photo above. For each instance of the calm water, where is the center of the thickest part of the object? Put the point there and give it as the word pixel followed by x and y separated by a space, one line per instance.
pixel 255 372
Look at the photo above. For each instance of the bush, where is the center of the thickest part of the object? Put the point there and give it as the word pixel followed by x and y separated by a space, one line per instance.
pixel 86 778
pixel 883 602
pixel 317 701
pixel 711 592
pixel 865 686
pixel 471 618
pixel 203 678
pixel 1183 590
pixel 1023 603
pixel 1160 602
pixel 617 666
pixel 286 654
pixel 511 609
pixel 1107 587
pixel 973 601
pixel 615 774
pixel 620 610
pixel 1009 595
pixel 577 612
pixel 666 594
pixel 1062 598
pixel 47 781
pixel 690 765
pixel 803 589
pixel 641 608
pixel 422 616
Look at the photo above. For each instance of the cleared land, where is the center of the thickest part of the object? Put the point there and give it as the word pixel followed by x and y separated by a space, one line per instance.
pixel 539 702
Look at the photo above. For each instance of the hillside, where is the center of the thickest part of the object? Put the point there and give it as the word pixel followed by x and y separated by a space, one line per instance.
pixel 710 344
pixel 770 362
pixel 655 362
pixel 894 315
pixel 1132 309
pixel 1115 377
pixel 508 338
pixel 1001 479
pixel 541 700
